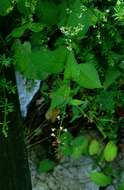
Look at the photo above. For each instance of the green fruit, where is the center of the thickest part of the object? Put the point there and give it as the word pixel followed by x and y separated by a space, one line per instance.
pixel 94 147
pixel 110 151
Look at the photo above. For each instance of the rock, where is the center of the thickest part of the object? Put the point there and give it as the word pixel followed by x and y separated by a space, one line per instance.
pixel 25 94
pixel 111 187
pixel 68 175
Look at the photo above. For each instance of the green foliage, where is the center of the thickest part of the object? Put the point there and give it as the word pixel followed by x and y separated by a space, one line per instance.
pixel 100 179
pixel 6 6
pixel 47 12
pixel 94 147
pixel 6 87
pixel 111 75
pixel 34 27
pixel 110 151
pixel 38 64
pixel 119 11
pixel 74 147
pixel 65 144
pixel 77 19
pixel 77 49
pixel 26 7
pixel 82 73
pixel 46 165
pixel 79 146
pixel 61 96
pixel 121 187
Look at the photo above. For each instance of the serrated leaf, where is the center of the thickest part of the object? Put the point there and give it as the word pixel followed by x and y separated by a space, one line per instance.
pixel 110 151
pixel 93 147
pixel 85 75
pixel 38 64
pixel 46 165
pixel 111 76
pixel 100 179
pixel 60 97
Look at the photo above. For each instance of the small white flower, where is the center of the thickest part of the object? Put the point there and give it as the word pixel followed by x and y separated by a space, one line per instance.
pixel 65 130
pixel 58 117
pixel 52 135
pixel 107 10
pixel 61 128
pixel 68 11
pixel 69 48
pixel 53 129
pixel 83 8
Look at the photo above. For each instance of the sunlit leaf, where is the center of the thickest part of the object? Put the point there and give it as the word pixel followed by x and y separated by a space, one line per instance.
pixel 110 151
pixel 94 147
pixel 100 179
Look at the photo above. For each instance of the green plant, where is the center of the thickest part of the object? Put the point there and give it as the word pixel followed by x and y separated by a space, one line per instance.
pixel 121 187
pixel 46 165
pixel 6 107
pixel 100 179
pixel 77 49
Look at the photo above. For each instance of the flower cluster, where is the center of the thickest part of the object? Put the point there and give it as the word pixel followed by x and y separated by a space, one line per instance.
pixel 72 30
pixel 68 11
pixel 55 132
pixel 68 42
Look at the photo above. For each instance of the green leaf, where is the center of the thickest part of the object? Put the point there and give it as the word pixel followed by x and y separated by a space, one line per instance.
pixel 18 32
pixel 93 147
pixel 110 151
pixel 51 62
pixel 111 76
pixel 76 19
pixel 100 179
pixel 23 7
pixel 22 56
pixel 5 7
pixel 38 64
pixel 71 66
pixel 87 76
pixel 46 165
pixel 36 27
pixel 79 146
pixel 75 102
pixel 61 96
pixel 47 12
pixel 65 144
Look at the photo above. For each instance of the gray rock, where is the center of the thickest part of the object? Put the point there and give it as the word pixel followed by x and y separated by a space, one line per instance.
pixel 26 95
pixel 68 175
